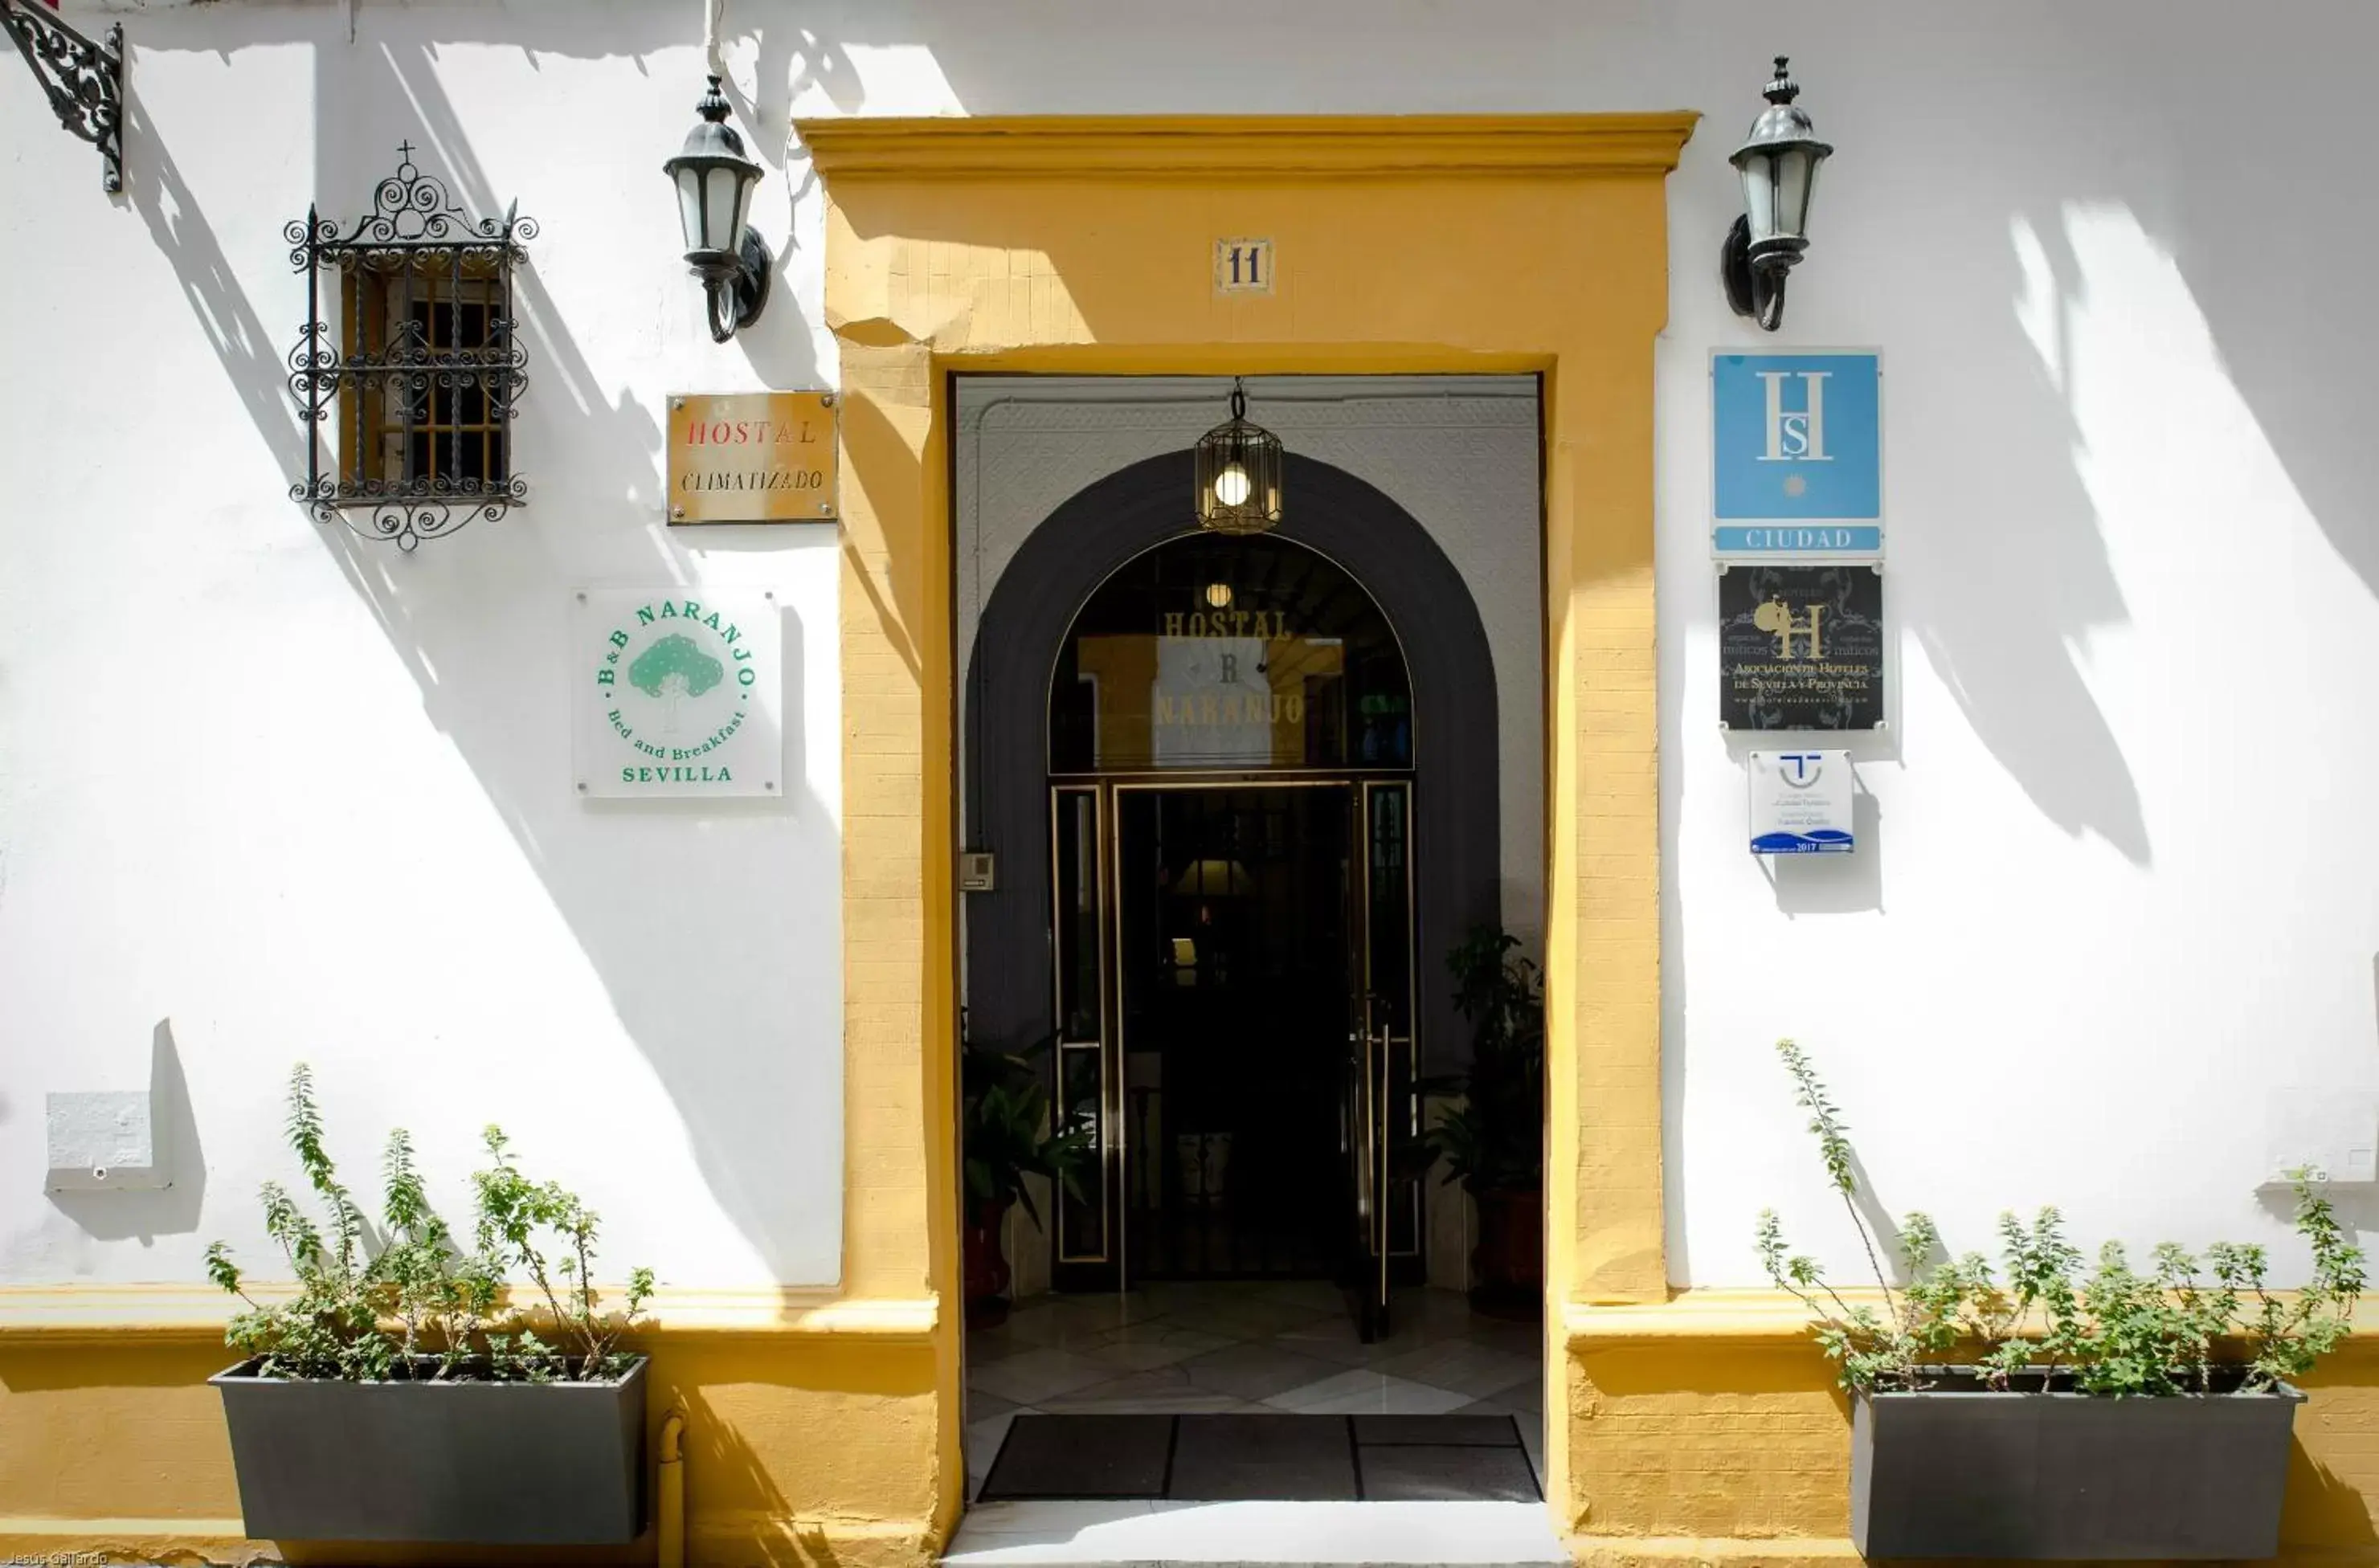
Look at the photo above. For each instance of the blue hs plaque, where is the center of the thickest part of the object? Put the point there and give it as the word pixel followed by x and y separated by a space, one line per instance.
pixel 1796 443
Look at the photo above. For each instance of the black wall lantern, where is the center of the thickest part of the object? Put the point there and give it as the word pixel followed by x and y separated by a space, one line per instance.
pixel 84 80
pixel 714 182
pixel 1778 163
pixel 1239 474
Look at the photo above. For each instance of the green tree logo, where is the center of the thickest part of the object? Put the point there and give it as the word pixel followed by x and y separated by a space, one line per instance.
pixel 672 670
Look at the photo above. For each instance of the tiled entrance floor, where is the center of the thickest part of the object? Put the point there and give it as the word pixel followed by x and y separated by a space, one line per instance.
pixel 1248 1348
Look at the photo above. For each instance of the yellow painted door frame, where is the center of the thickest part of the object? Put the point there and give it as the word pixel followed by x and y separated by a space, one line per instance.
pixel 1425 245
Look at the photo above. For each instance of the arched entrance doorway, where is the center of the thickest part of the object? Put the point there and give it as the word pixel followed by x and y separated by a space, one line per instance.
pixel 1242 796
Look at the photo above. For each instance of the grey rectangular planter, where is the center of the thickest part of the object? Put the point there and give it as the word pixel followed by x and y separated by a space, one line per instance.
pixel 1968 1473
pixel 482 1463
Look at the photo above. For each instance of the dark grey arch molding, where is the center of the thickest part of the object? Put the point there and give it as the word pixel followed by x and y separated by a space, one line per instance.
pixel 1457 808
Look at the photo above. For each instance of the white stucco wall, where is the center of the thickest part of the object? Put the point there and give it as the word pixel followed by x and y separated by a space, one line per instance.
pixel 307 798
pixel 2117 884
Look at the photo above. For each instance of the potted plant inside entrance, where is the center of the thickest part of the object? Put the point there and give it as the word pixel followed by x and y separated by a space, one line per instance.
pixel 1489 1126
pixel 2033 1410
pixel 1007 1137
pixel 398 1394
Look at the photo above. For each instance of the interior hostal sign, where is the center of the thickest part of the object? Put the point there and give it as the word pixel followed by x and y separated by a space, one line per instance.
pixel 677 692
pixel 751 457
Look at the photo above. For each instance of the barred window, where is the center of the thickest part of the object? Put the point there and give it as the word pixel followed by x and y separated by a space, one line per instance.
pixel 414 370
pixel 408 427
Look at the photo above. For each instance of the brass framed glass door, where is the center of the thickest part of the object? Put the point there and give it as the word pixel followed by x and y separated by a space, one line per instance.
pixel 1088 1242
pixel 1383 1105
pixel 1234 997
pixel 1232 913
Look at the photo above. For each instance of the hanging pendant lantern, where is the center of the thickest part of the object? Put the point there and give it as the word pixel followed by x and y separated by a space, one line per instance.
pixel 1239 474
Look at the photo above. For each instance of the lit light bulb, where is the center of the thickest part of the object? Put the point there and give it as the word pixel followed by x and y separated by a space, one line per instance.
pixel 1232 486
pixel 1219 594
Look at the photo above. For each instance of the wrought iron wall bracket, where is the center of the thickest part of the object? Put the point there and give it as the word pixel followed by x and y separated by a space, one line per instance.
pixel 1756 293
pixel 84 80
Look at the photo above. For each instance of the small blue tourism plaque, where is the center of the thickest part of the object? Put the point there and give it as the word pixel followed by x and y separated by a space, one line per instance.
pixel 1801 803
pixel 1796 443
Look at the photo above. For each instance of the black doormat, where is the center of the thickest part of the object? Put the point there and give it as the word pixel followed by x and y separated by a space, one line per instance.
pixel 1278 1458
pixel 1083 1457
pixel 1283 1458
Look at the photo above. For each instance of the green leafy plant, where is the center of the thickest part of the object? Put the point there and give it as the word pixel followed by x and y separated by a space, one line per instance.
pixel 1008 1134
pixel 420 1306
pixel 2034 1320
pixel 518 1220
pixel 331 1329
pixel 1489 1121
pixel 442 1298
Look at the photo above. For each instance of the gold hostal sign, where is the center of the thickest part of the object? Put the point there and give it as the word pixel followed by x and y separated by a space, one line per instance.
pixel 751 457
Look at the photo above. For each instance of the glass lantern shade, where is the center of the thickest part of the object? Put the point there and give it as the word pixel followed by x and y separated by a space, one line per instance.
pixel 714 181
pixel 712 201
pixel 1238 466
pixel 1776 190
pixel 1759 172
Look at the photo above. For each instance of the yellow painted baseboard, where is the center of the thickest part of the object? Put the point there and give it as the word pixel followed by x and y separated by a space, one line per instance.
pixel 1703 1429
pixel 1751 1315
pixel 1708 1427
pixel 1670 1551
pixel 191 1313
pixel 736 1538
pixel 1690 1314
pixel 1802 1551
pixel 845 1543
pixel 815 1430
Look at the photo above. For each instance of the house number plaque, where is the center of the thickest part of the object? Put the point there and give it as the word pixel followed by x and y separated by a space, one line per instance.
pixel 1243 266
pixel 751 457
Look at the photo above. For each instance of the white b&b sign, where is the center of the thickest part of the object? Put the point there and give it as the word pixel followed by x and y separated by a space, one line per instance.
pixel 677 692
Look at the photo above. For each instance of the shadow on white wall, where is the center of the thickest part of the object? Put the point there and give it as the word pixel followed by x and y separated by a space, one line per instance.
pixel 686 911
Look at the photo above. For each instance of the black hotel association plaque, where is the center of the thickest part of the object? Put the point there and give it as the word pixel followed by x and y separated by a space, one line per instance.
pixel 1801 647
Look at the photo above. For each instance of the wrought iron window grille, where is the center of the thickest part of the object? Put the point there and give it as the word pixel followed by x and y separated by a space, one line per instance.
pixel 84 80
pixel 411 347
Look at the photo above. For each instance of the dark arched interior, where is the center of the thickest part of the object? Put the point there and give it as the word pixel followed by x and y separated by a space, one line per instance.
pixel 1456 813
